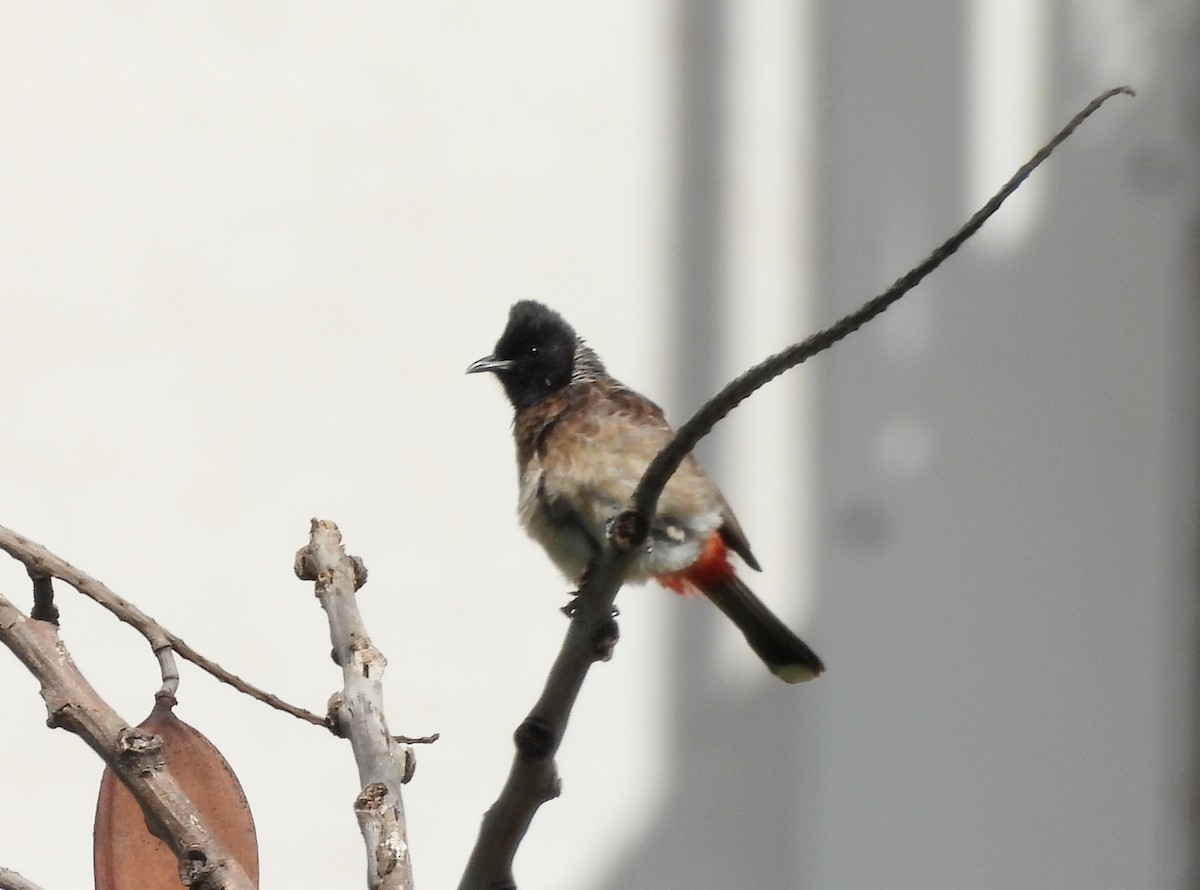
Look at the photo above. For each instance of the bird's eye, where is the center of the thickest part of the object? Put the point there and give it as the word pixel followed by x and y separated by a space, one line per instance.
pixel 533 350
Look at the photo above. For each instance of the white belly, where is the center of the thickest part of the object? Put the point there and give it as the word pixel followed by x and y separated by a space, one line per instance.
pixel 574 534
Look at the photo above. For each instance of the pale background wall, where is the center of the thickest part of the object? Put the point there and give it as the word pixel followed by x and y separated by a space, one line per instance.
pixel 247 250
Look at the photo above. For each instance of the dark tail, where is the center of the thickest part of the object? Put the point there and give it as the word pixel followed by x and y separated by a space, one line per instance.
pixel 788 657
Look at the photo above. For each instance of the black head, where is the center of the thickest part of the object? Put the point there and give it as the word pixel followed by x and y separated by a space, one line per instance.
pixel 534 356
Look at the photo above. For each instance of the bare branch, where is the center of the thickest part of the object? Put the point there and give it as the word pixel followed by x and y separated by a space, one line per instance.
pixel 10 880
pixel 533 777
pixel 357 712
pixel 42 564
pixel 134 755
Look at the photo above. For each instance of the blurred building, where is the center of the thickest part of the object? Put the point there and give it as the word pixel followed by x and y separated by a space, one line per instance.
pixel 1004 572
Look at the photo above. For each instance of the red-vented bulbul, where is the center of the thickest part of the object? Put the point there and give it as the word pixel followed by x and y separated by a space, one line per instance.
pixel 583 442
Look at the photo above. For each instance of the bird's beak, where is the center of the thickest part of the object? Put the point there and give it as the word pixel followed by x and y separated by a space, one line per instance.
pixel 490 363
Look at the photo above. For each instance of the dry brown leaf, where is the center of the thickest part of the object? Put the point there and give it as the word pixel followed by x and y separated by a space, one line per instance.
pixel 127 856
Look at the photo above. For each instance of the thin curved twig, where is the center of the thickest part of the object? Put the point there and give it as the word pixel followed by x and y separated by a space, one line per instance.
pixel 225 676
pixel 664 465
pixel 41 563
pixel 533 778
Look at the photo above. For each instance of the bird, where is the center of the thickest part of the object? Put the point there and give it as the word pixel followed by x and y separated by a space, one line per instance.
pixel 583 441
